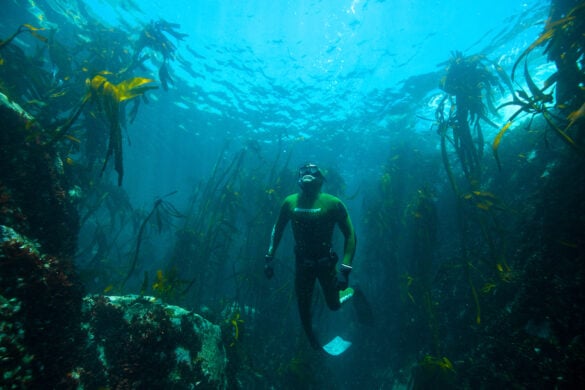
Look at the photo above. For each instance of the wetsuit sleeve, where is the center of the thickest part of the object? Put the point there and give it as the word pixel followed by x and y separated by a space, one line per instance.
pixel 278 228
pixel 346 228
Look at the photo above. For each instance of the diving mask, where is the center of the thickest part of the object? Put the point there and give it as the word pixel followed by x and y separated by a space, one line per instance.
pixel 310 170
pixel 310 178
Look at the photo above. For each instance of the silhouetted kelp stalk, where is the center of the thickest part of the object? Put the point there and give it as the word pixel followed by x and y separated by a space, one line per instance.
pixel 266 190
pixel 424 219
pixel 469 82
pixel 565 46
pixel 23 28
pixel 444 124
pixel 204 240
pixel 153 37
pixel 217 210
pixel 160 206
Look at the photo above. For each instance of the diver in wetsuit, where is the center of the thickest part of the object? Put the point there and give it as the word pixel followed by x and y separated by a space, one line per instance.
pixel 313 215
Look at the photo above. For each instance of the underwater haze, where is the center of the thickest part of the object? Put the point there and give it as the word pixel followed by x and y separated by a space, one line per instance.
pixel 452 130
pixel 334 79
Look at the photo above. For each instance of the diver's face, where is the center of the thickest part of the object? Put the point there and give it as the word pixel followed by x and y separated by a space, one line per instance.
pixel 310 184
pixel 310 178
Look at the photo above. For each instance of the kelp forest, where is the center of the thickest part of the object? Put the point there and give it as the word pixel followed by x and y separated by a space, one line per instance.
pixel 470 242
pixel 490 266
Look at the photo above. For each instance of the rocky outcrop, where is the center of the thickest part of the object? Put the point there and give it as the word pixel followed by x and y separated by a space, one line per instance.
pixel 53 337
pixel 36 198
pixel 138 342
pixel 40 307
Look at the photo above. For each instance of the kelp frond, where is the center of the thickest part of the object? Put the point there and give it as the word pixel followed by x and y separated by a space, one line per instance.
pixel 101 88
pixel 551 30
pixel 22 28
pixel 108 97
pixel 131 88
pixel 537 102
pixel 575 116
pixel 497 140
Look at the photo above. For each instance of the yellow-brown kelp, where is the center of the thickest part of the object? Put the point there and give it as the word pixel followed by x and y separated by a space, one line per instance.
pixel 433 373
pixel 537 102
pixel 167 285
pixel 109 97
pixel 563 38
pixel 563 41
pixel 22 28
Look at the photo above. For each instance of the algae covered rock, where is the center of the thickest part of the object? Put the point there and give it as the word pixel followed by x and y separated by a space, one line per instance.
pixel 138 342
pixel 50 335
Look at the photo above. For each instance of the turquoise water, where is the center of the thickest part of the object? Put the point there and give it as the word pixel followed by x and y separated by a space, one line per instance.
pixel 336 73
pixel 354 87
pixel 337 79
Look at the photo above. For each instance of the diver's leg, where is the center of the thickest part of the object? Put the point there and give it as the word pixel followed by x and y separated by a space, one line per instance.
pixel 304 285
pixel 328 280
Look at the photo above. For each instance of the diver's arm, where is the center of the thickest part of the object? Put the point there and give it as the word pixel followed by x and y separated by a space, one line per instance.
pixel 346 228
pixel 278 229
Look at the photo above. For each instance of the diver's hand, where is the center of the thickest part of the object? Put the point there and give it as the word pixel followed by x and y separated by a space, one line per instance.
pixel 343 277
pixel 268 268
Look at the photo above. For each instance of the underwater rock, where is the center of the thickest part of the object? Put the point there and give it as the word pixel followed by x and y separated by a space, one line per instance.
pixel 138 342
pixel 40 310
pixel 50 335
pixel 34 191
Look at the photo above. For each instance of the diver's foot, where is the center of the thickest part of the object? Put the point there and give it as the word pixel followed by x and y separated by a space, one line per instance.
pixel 344 295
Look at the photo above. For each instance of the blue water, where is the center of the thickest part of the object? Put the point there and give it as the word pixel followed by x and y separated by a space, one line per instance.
pixel 325 77
pixel 351 85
